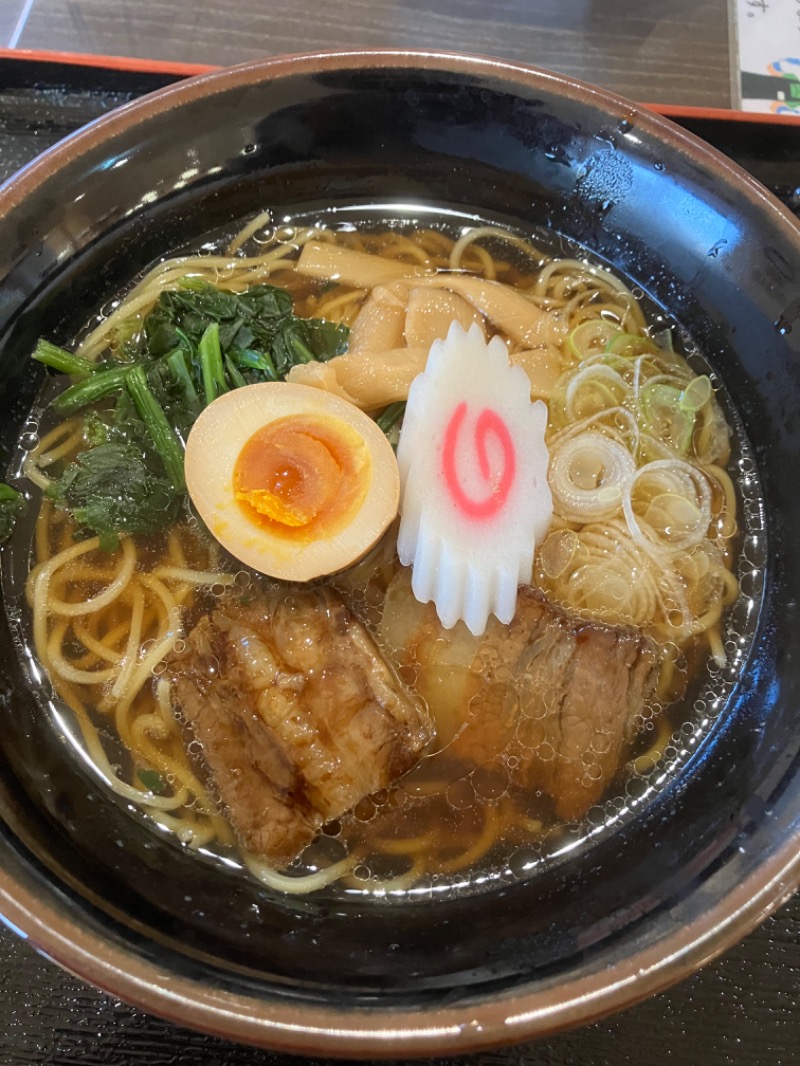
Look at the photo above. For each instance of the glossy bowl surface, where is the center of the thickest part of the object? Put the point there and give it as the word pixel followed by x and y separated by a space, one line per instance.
pixel 694 870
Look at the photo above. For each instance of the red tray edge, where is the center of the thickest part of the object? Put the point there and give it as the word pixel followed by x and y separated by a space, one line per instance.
pixel 127 63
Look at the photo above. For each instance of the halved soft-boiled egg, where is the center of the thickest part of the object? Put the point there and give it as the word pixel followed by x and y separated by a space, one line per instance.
pixel 293 481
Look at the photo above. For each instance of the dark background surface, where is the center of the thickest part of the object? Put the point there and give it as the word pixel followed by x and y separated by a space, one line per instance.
pixel 741 1009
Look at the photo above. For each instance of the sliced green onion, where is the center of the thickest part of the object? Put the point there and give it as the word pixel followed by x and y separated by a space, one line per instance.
pixel 631 345
pixel 663 340
pixel 663 414
pixel 591 338
pixel 672 515
pixel 592 389
pixel 696 394
pixel 557 552
pixel 662 478
pixel 587 475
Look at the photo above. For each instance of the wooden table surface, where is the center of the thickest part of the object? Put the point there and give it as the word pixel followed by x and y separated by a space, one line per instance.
pixel 669 51
pixel 741 1009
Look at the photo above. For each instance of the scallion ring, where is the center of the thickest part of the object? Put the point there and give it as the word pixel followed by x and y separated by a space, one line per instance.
pixel 587 476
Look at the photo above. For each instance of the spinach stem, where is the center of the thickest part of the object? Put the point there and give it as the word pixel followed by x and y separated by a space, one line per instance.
pixel 257 361
pixel 177 364
pixel 62 360
pixel 302 352
pixel 211 363
pixel 163 435
pixel 100 384
pixel 234 373
pixel 389 417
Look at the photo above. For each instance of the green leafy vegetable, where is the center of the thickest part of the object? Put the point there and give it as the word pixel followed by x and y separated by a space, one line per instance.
pixel 389 421
pixel 12 503
pixel 257 331
pixel 161 432
pixel 101 383
pixel 210 352
pixel 664 415
pixel 153 781
pixel 111 489
pixel 62 360
pixel 197 343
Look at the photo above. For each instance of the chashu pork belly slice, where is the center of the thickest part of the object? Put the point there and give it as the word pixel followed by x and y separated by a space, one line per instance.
pixel 586 683
pixel 297 713
pixel 554 694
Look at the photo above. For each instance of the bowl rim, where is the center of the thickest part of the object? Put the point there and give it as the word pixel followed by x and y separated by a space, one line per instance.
pixel 375 1032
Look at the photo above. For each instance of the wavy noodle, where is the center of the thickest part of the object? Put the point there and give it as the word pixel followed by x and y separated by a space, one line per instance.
pixel 114 670
pixel 558 281
pixel 479 233
pixel 96 647
pixel 649 759
pixel 478 848
pixel 55 445
pixel 249 231
pixel 398 885
pixel 300 885
pixel 342 307
pixel 129 659
pixel 101 599
pixel 195 577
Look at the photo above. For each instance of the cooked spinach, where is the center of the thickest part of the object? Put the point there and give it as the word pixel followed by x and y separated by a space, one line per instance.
pixel 153 781
pixel 113 488
pixel 195 344
pixel 258 322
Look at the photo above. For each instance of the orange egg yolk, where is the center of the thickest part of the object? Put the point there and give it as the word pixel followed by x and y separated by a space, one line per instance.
pixel 303 476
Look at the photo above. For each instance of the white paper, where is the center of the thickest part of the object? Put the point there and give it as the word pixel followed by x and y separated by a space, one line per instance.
pixel 768 53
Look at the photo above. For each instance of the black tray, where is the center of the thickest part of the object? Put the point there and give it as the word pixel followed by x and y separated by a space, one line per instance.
pixel 739 1010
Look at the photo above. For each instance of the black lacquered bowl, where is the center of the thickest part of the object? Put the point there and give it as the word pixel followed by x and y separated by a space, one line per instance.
pixel 677 881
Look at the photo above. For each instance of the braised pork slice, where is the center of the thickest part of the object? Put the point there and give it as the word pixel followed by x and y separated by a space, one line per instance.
pixel 584 684
pixel 551 695
pixel 297 713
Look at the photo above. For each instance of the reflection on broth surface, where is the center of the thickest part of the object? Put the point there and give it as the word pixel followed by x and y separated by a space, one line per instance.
pixel 409 757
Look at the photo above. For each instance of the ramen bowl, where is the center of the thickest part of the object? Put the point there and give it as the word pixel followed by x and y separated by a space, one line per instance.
pixel 678 874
